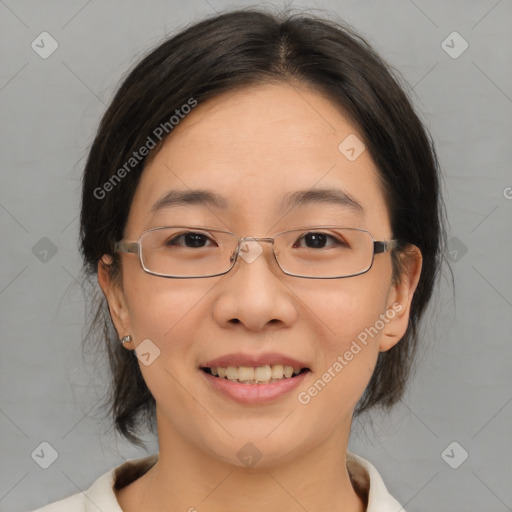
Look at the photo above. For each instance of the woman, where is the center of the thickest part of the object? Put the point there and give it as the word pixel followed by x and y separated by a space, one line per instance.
pixel 262 209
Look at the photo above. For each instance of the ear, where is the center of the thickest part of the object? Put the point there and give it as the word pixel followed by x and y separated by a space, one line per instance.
pixel 400 297
pixel 115 297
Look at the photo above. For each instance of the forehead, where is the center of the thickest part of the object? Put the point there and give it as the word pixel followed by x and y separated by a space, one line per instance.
pixel 256 147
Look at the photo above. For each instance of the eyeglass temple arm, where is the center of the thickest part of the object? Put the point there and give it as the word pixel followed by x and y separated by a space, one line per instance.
pixel 123 246
pixel 379 247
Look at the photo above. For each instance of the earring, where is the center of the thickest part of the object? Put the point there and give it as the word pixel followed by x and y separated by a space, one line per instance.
pixel 126 339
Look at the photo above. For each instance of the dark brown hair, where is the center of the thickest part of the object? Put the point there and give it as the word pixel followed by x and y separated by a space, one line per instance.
pixel 238 49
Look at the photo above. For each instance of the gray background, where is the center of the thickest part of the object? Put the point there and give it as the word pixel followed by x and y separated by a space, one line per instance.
pixel 50 109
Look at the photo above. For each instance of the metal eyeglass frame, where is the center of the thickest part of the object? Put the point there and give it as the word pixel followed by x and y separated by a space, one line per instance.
pixel 126 246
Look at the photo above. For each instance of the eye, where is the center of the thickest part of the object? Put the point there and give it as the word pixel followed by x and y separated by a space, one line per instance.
pixel 319 240
pixel 191 239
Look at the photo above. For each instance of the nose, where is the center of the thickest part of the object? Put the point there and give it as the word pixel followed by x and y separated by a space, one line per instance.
pixel 252 295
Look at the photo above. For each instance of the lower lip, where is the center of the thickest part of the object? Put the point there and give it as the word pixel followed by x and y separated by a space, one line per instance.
pixel 255 393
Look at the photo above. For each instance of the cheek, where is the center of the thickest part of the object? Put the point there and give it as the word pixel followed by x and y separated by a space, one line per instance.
pixel 166 313
pixel 343 309
pixel 349 319
pixel 163 309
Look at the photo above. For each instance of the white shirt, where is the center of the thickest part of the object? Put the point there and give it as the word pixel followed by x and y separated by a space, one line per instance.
pixel 100 495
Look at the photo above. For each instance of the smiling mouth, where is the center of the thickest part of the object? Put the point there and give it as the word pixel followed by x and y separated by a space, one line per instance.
pixel 255 374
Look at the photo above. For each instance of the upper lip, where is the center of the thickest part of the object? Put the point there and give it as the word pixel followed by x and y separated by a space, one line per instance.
pixel 240 359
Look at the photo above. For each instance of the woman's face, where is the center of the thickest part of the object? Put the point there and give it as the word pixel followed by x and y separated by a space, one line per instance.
pixel 254 148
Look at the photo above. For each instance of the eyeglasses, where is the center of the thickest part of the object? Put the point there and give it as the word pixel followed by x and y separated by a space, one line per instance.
pixel 318 252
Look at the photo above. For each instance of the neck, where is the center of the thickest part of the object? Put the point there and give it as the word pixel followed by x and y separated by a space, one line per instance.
pixel 186 478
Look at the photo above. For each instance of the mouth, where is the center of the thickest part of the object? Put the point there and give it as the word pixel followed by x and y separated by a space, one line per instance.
pixel 255 375
pixel 255 385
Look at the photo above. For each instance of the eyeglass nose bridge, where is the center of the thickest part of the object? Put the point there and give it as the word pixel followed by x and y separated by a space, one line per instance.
pixel 251 255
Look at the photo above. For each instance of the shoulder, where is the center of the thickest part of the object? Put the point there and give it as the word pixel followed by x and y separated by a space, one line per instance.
pixel 100 495
pixel 369 484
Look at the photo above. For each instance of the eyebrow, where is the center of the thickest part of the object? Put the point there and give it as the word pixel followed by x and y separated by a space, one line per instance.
pixel 189 197
pixel 298 198
pixel 333 196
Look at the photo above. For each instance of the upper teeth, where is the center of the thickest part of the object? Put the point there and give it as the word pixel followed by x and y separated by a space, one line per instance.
pixel 250 374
